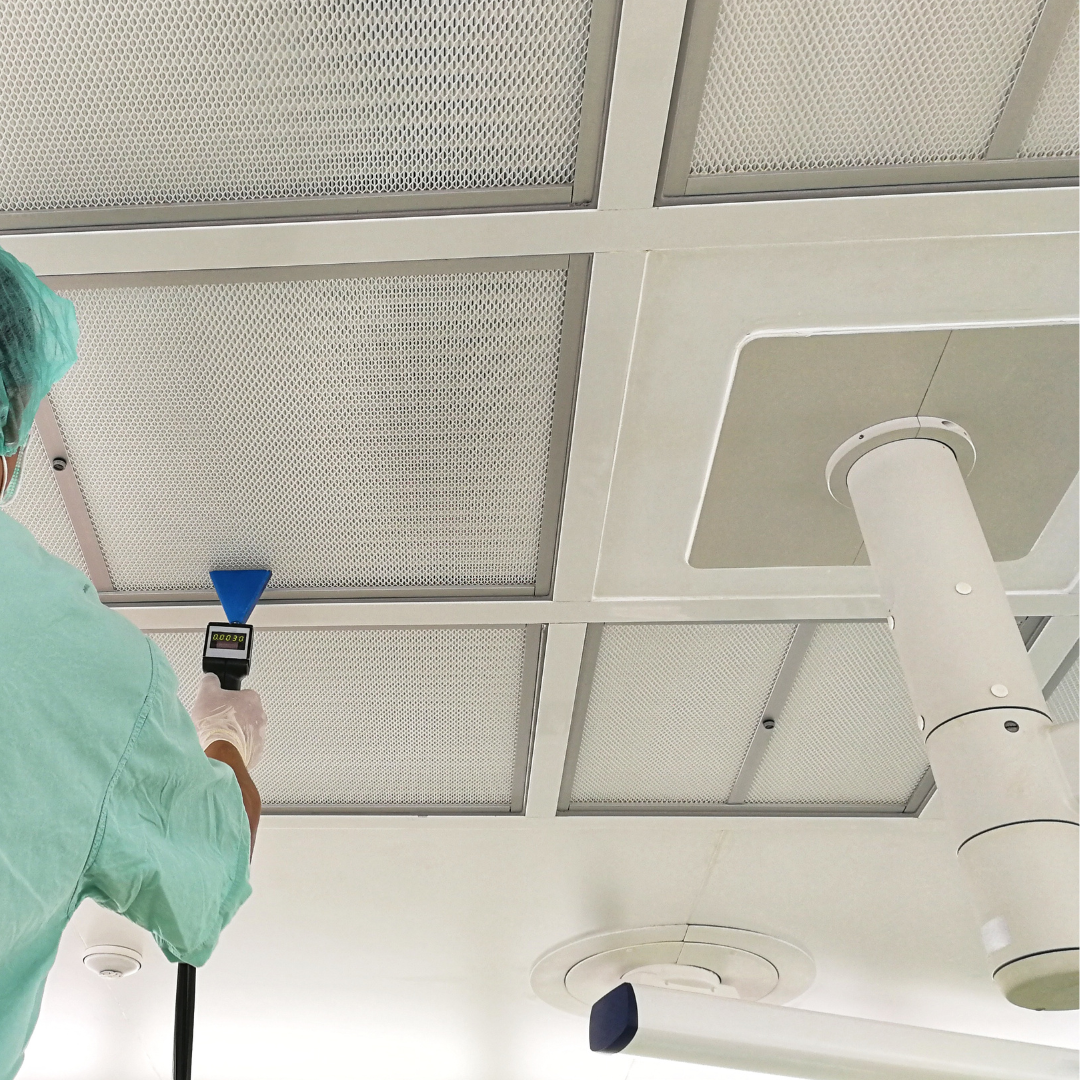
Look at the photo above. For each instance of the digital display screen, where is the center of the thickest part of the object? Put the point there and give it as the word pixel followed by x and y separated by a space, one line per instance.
pixel 225 642
pixel 221 639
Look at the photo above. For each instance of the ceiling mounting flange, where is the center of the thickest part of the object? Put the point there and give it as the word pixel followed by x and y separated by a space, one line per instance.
pixel 906 427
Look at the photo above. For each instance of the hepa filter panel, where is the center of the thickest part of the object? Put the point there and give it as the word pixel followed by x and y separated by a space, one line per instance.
pixel 390 719
pixel 119 111
pixel 389 430
pixel 1063 701
pixel 850 83
pixel 847 733
pixel 773 96
pixel 1054 130
pixel 39 506
pixel 669 711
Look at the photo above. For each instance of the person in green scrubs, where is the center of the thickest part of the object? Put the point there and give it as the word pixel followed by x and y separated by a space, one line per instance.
pixel 106 790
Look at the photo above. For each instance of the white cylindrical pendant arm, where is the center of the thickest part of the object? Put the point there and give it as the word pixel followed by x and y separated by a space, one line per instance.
pixel 982 713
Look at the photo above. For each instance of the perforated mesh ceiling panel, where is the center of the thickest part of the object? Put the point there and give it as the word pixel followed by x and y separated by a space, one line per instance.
pixel 362 432
pixel 847 732
pixel 111 103
pixel 1054 130
pixel 672 710
pixel 384 717
pixel 40 507
pixel 1064 703
pixel 847 83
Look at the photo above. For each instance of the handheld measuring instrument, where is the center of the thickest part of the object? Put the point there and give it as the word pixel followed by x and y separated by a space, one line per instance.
pixel 226 654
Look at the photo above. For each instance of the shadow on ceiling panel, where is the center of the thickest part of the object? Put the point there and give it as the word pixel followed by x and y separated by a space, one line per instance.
pixel 777 97
pixel 119 112
pixel 356 430
pixel 387 720
pixel 40 506
pixel 666 715
pixel 847 733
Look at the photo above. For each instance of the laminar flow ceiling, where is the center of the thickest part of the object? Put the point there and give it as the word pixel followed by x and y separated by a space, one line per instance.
pixel 448 313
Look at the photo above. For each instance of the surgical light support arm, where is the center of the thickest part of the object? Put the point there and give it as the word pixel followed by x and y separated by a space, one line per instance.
pixel 980 708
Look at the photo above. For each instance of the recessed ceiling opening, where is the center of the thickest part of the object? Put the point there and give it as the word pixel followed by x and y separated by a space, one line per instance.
pixel 794 400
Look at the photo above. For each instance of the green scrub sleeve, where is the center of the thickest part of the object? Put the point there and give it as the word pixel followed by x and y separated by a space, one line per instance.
pixel 171 849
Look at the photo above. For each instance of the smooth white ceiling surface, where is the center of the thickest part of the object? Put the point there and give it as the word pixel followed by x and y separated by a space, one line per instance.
pixel 399 718
pixel 400 946
pixel 397 950
pixel 365 431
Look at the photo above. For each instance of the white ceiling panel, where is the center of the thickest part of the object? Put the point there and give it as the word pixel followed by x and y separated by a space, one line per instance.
pixel 391 719
pixel 847 733
pixel 183 110
pixel 373 431
pixel 668 712
pixel 40 507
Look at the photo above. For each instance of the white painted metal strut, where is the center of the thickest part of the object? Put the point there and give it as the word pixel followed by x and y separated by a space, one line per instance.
pixel 982 713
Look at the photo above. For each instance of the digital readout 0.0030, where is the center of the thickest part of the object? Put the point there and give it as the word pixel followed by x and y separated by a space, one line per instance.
pixel 219 639
pixel 225 642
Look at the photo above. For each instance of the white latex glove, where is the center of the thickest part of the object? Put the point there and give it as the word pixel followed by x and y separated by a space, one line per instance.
pixel 232 716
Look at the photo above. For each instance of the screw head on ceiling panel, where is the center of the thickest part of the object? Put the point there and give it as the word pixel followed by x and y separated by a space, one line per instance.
pixel 999 690
pixel 1012 726
pixel 768 725
pixel 59 463
pixel 963 588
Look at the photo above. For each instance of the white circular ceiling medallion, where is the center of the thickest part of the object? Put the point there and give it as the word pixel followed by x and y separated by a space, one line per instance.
pixel 718 960
pixel 112 961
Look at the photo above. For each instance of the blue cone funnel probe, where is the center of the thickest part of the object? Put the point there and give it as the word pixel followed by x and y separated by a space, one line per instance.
pixel 227 647
pixel 226 654
pixel 239 591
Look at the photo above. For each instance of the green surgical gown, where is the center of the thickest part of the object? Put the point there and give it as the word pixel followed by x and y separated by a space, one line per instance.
pixel 104 791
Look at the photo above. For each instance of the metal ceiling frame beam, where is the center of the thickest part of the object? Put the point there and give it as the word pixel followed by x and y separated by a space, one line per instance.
pixel 52 440
pixel 558 687
pixel 1045 44
pixel 287 615
pixel 937 215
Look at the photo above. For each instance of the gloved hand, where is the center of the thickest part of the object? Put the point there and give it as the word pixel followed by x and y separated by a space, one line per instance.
pixel 233 716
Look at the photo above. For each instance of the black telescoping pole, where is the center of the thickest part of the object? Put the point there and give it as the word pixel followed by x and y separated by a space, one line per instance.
pixel 184 1027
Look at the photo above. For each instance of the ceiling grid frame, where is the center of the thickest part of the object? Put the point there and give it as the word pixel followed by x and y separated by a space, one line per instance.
pixel 624 233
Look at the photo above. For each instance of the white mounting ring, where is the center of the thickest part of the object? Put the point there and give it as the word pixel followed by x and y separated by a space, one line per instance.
pixel 907 427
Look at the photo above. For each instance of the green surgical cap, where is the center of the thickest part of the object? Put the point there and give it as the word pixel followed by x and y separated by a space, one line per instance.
pixel 37 347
